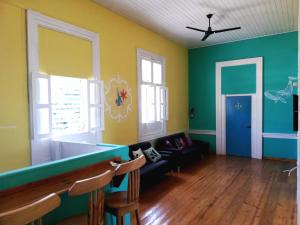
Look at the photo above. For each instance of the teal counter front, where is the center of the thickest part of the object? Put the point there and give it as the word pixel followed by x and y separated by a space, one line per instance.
pixel 70 205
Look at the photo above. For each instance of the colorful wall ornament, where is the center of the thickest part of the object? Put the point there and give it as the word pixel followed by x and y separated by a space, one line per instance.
pixel 118 99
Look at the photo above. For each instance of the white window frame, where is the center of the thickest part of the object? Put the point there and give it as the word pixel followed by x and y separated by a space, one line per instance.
pixel 152 57
pixel 39 145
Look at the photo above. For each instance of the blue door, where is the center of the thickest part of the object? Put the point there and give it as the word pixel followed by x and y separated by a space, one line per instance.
pixel 238 126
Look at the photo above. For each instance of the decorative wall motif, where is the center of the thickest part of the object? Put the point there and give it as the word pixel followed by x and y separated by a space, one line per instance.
pixel 284 94
pixel 118 99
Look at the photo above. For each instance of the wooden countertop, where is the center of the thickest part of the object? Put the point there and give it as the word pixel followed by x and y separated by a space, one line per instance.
pixel 59 184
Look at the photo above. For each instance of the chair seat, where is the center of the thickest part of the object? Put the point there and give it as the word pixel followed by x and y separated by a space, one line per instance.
pixel 75 220
pixel 118 200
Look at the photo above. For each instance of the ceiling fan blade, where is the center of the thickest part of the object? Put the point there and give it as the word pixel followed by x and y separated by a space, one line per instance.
pixel 205 36
pixel 228 29
pixel 192 28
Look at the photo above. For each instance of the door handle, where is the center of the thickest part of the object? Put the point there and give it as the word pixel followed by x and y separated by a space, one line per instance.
pixel 248 126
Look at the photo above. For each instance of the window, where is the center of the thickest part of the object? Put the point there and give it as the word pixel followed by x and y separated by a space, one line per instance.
pixel 66 106
pixel 153 95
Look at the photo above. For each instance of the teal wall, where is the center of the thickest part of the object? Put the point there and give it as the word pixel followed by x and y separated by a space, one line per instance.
pixel 279 54
pixel 238 79
pixel 280 148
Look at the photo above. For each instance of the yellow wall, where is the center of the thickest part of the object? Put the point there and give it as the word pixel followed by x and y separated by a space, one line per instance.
pixel 119 39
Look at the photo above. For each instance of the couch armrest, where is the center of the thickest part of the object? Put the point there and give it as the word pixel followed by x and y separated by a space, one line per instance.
pixel 202 145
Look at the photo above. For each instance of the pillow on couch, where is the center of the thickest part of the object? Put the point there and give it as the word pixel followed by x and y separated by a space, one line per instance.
pixel 188 140
pixel 169 144
pixel 152 154
pixel 177 143
pixel 182 142
pixel 137 153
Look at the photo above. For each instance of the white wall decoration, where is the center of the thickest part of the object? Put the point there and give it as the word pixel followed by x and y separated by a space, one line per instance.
pixel 282 95
pixel 118 99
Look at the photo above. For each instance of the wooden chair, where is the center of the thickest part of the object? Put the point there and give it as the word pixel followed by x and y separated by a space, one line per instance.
pixel 30 213
pixel 94 186
pixel 121 203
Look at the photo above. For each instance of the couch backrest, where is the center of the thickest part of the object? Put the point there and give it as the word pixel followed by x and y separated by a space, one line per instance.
pixel 161 142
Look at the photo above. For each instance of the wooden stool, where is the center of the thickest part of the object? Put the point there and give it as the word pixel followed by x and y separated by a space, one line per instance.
pixel 120 203
pixel 94 186
pixel 31 212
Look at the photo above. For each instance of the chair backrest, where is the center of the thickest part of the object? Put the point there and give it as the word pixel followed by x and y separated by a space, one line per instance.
pixel 91 184
pixel 94 186
pixel 31 212
pixel 133 168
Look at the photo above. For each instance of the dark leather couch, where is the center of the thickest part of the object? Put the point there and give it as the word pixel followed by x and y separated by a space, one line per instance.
pixel 151 171
pixel 186 154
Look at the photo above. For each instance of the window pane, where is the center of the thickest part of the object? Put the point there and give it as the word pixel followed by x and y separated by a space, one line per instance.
pixel 94 93
pixel 95 114
pixel 162 112
pixel 157 73
pixel 69 105
pixel 158 103
pixel 148 103
pixel 146 70
pixel 93 118
pixel 144 102
pixel 42 91
pixel 43 121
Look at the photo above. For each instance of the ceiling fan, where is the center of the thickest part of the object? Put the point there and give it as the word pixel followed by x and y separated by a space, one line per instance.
pixel 209 31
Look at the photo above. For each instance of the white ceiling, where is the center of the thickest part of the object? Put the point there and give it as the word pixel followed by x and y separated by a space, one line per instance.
pixel 170 17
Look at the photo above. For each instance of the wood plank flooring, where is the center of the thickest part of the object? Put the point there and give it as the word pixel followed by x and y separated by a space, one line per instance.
pixel 223 190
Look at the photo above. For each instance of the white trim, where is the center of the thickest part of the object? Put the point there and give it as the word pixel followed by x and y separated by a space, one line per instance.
pixel 264 135
pixel 152 57
pixel 205 132
pixel 256 134
pixel 280 136
pixel 34 21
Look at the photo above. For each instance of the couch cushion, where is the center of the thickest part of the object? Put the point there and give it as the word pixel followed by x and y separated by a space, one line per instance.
pixel 189 150
pixel 152 167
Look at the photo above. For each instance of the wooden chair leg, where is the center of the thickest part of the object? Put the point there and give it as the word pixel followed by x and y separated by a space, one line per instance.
pixel 137 215
pixel 178 170
pixel 123 220
pixel 119 219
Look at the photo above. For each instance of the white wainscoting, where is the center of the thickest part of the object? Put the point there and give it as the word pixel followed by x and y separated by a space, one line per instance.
pixel 264 135
pixel 206 132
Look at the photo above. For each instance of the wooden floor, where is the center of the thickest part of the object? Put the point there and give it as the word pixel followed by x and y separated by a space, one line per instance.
pixel 221 191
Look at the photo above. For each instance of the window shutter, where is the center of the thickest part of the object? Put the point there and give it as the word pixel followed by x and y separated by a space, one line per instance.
pixel 164 103
pixel 41 106
pixel 96 106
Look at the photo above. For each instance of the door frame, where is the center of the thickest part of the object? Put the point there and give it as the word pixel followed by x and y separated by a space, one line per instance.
pixel 256 107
